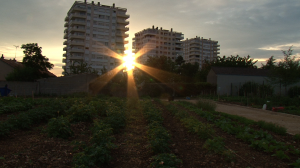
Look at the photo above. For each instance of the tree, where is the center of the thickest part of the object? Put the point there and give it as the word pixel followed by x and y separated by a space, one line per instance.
pixel 287 71
pixel 162 63
pixel 179 60
pixel 271 64
pixel 78 67
pixel 34 58
pixel 36 65
pixel 232 61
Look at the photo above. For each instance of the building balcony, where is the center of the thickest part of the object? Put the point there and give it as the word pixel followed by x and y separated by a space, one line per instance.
pixel 73 29
pixel 77 15
pixel 77 43
pixel 80 9
pixel 66 24
pixel 64 60
pixel 65 55
pixel 179 36
pixel 66 18
pixel 74 36
pixel 77 22
pixel 121 47
pixel 123 35
pixel 76 57
pixel 122 21
pixel 65 36
pixel 178 46
pixel 65 42
pixel 64 67
pixel 77 50
pixel 123 15
pixel 65 49
pixel 122 28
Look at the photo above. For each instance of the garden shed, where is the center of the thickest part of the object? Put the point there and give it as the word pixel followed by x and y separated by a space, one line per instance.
pixel 230 79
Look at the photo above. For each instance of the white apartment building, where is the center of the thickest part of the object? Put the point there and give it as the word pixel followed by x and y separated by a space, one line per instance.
pixel 200 49
pixel 156 42
pixel 93 33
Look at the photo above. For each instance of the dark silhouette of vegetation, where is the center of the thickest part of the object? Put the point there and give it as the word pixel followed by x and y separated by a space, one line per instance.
pixel 79 67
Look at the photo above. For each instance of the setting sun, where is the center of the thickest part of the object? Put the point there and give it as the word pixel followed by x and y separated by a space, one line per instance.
pixel 129 60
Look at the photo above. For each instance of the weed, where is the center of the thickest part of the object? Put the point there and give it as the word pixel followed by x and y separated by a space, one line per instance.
pixel 206 105
pixel 281 155
pixel 272 127
pixel 296 137
pixel 215 145
pixel 59 127
pixel 165 160
pixel 296 164
pixel 204 131
pixel 81 112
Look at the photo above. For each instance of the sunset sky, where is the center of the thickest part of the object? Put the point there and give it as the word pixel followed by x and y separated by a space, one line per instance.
pixel 259 28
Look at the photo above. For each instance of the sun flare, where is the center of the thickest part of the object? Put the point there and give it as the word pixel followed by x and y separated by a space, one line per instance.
pixel 129 61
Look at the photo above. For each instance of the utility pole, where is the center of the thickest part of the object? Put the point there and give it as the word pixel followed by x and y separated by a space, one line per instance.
pixel 16 51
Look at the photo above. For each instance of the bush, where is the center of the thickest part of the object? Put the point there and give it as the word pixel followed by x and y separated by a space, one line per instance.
pixel 81 113
pixel 206 105
pixel 165 160
pixel 59 128
pixel 272 127
pixel 215 145
pixel 159 138
pixel 294 91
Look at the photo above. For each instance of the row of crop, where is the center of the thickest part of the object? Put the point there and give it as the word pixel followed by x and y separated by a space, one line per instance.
pixel 25 120
pixel 159 138
pixel 98 151
pixel 210 106
pixel 213 143
pixel 260 140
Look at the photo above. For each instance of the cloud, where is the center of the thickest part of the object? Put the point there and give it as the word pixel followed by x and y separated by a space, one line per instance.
pixel 281 47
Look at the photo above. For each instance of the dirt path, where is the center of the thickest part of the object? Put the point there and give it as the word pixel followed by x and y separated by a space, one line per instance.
pixel 290 122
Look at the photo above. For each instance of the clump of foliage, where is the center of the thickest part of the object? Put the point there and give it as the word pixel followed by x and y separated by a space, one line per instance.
pixel 281 155
pixel 294 92
pixel 272 127
pixel 159 138
pixel 215 145
pixel 81 113
pixel 206 105
pixel 297 137
pixel 165 160
pixel 59 128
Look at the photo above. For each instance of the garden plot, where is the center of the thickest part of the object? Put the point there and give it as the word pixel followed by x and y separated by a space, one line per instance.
pixel 115 132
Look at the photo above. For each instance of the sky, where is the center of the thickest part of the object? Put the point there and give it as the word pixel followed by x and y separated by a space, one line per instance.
pixel 259 28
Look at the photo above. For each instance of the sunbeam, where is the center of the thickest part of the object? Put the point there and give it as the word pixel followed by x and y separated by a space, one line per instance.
pixel 163 76
pixel 131 87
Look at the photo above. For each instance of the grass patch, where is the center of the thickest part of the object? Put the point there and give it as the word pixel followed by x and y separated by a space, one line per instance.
pixel 206 105
pixel 272 127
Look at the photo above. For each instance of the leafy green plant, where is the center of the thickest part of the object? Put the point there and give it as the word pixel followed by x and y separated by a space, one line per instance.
pixel 159 139
pixel 59 128
pixel 215 145
pixel 100 107
pixel 272 127
pixel 281 155
pixel 206 105
pixel 204 131
pixel 81 113
pixel 297 137
pixel 165 160
pixel 296 164
pixel 92 156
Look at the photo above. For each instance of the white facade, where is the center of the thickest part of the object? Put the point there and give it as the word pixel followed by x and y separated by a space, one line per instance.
pixel 156 42
pixel 200 49
pixel 93 33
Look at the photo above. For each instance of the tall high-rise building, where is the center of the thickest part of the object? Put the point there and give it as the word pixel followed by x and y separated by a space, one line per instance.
pixel 200 49
pixel 156 42
pixel 93 33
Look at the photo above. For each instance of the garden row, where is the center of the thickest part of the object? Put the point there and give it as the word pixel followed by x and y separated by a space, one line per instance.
pixel 241 128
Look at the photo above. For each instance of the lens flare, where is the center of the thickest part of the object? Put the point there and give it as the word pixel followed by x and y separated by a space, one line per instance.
pixel 129 62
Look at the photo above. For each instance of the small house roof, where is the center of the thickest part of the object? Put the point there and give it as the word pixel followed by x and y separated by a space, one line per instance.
pixel 240 71
pixel 15 64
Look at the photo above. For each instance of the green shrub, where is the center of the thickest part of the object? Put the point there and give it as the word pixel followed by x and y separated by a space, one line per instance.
pixel 165 160
pixel 294 91
pixel 159 139
pixel 92 156
pixel 272 127
pixel 59 128
pixel 102 134
pixel 204 131
pixel 81 113
pixel 115 118
pixel 215 145
pixel 206 105
pixel 100 107
pixel 281 155
pixel 297 137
